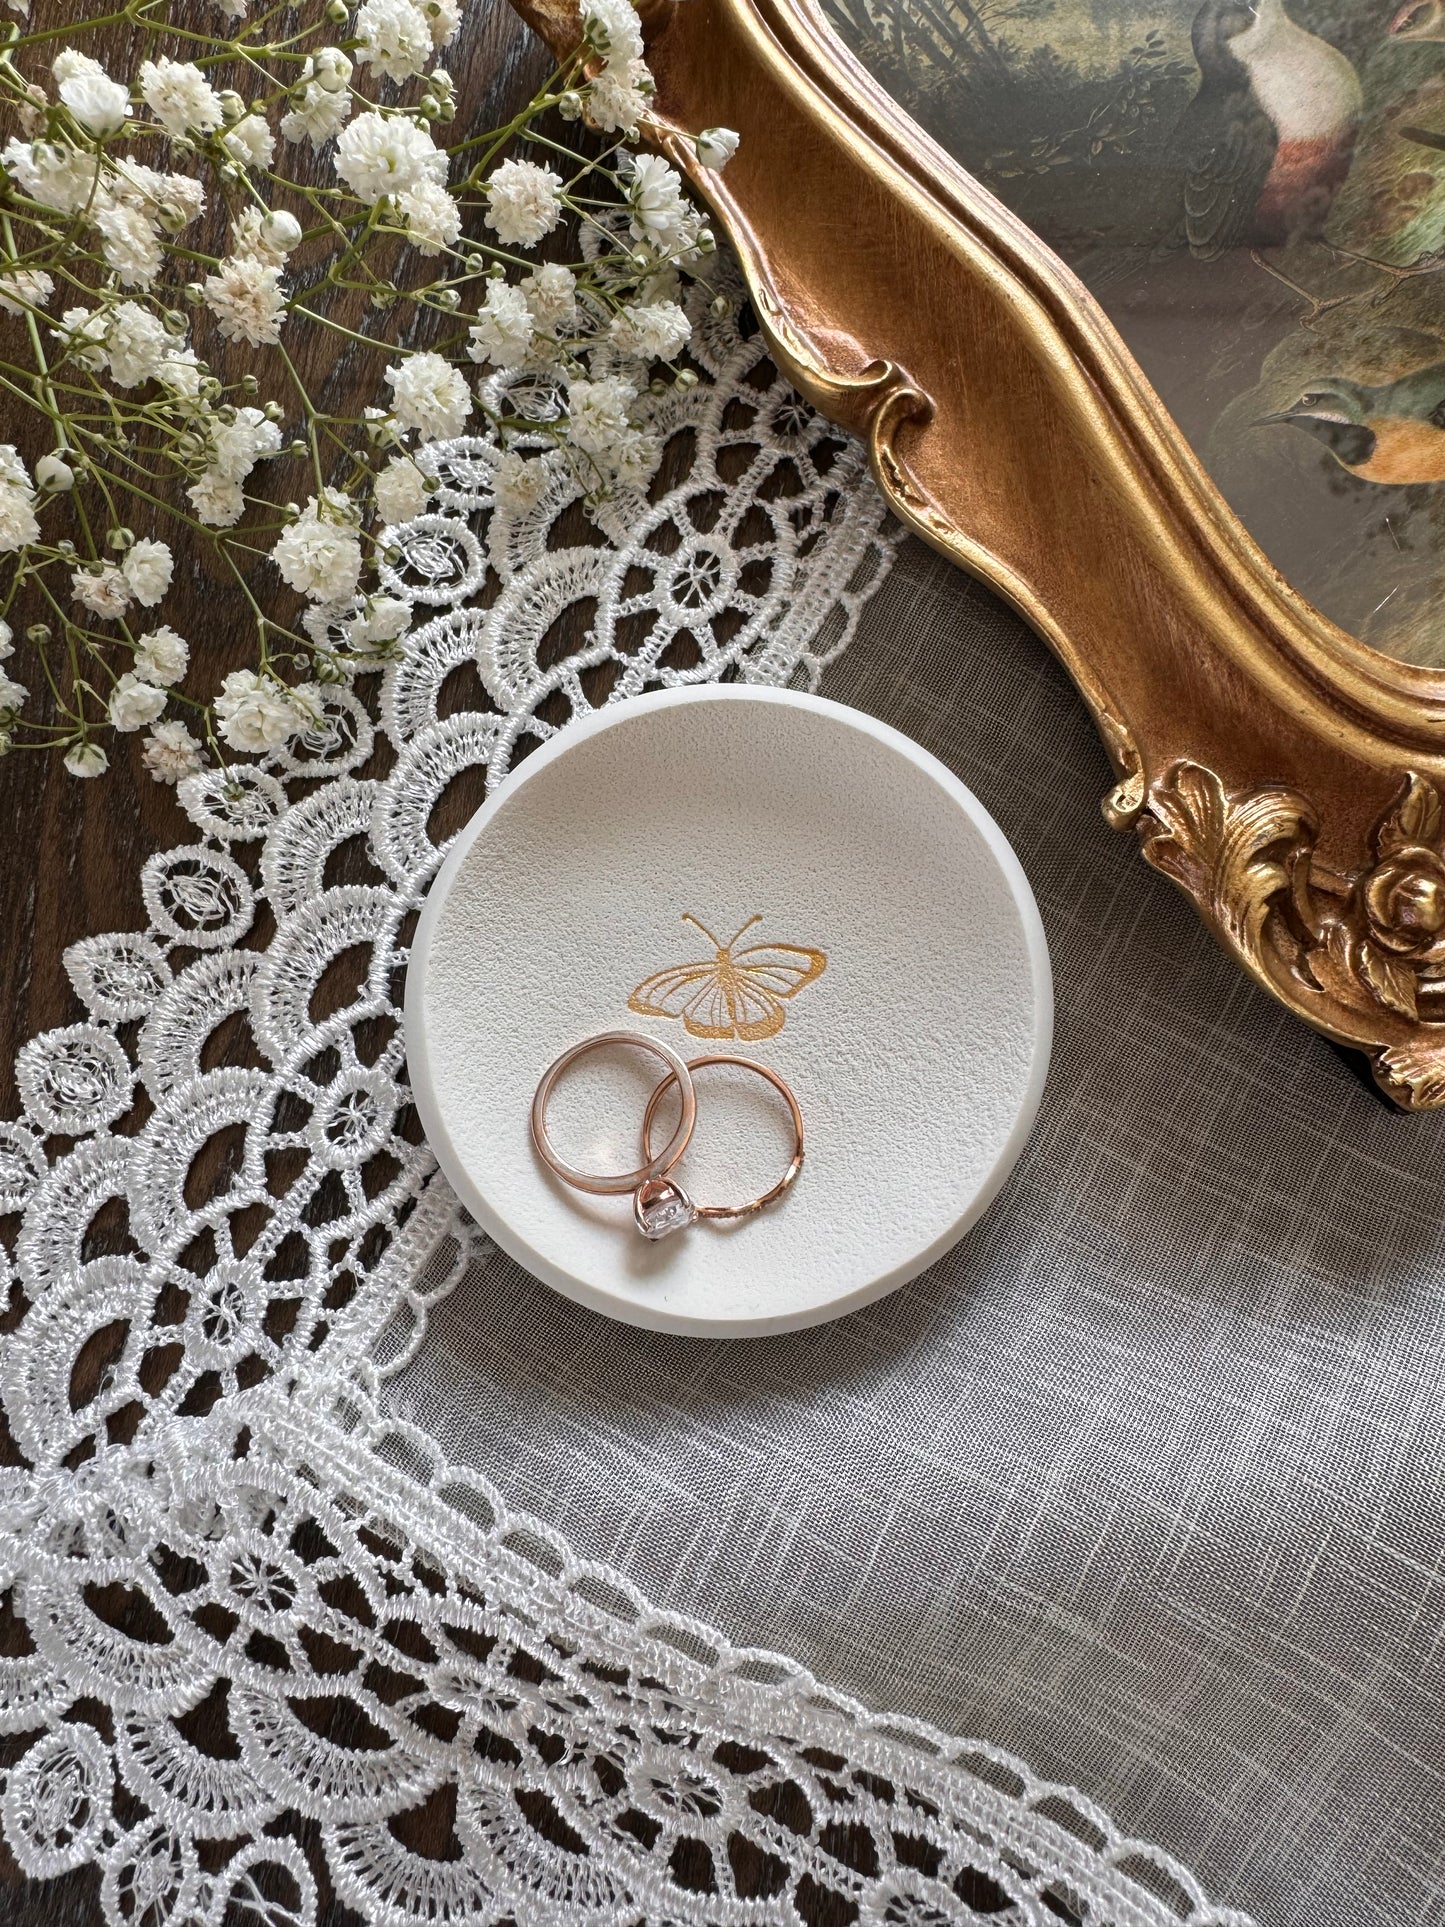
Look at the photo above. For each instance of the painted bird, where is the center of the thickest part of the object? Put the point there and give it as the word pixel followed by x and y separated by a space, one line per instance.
pixel 1266 141
pixel 1392 433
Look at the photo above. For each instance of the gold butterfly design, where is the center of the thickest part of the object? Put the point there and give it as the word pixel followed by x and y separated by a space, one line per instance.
pixel 735 993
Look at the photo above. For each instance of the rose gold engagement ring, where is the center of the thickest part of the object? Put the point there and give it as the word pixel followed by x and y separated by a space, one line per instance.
pixel 660 1204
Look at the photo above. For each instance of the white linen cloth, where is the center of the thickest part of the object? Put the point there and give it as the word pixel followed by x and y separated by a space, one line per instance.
pixel 1146 1480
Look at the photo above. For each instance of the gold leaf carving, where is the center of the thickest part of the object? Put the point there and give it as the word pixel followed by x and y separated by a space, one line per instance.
pixel 1356 956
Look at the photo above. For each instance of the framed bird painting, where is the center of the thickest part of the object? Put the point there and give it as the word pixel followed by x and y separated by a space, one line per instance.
pixel 1140 308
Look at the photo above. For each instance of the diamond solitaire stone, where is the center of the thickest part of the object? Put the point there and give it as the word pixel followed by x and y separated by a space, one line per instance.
pixel 661 1207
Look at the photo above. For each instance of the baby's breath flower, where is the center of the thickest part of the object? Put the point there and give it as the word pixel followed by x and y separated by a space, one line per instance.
pixel 71 64
pixel 171 752
pixel 147 567
pixel 617 100
pixel 105 592
pixel 524 203
pixel 433 219
pixel 503 330
pixel 56 176
pixel 519 482
pixel 161 656
pixel 169 201
pixel 134 703
pixel 551 294
pixel 12 695
pixel 383 622
pixel 130 245
pixel 393 37
pixel 83 332
pixel 100 105
pixel 24 288
pixel 661 212
pixel 180 372
pixel 399 490
pixel 317 113
pixel 429 395
pixel 319 555
pixel 377 156
pixel 180 96
pixel 332 69
pixel 246 298
pixel 250 143
pixel 658 332
pixel 217 500
pixel 87 759
pixel 238 445
pixel 136 343
pixel 254 712
pixel 18 525
pixel 597 414
pixel 613 29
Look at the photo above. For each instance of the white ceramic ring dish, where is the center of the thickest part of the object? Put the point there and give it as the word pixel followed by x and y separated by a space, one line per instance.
pixel 917 1048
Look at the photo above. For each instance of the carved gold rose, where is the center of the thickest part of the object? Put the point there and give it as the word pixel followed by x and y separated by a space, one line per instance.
pixel 1404 900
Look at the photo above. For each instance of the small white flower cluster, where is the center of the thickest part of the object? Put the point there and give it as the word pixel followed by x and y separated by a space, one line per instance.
pixel 142 409
pixel 621 88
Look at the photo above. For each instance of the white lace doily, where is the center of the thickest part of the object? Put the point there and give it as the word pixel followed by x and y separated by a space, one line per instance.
pixel 228 1538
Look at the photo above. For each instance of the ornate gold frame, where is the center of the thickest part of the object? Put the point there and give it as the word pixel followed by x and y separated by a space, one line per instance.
pixel 1287 776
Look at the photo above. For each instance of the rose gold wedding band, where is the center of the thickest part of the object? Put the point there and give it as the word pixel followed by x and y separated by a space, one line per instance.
pixel 747 1064
pixel 655 1167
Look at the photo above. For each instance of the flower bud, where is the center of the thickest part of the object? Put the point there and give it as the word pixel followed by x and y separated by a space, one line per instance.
pixel 336 12
pixel 570 105
pixel 449 299
pixel 67 547
pixel 331 67
pixel 174 322
pixel 54 472
pixel 720 305
pixel 226 413
pixel 298 449
pixel 281 231
pixel 38 634
pixel 429 108
pixel 685 378
pixel 195 294
pixel 249 385
pixel 120 539
pixel 440 81
pixel 706 242
pixel 273 411
pixel 716 147
pixel 7 742
pixel 232 106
